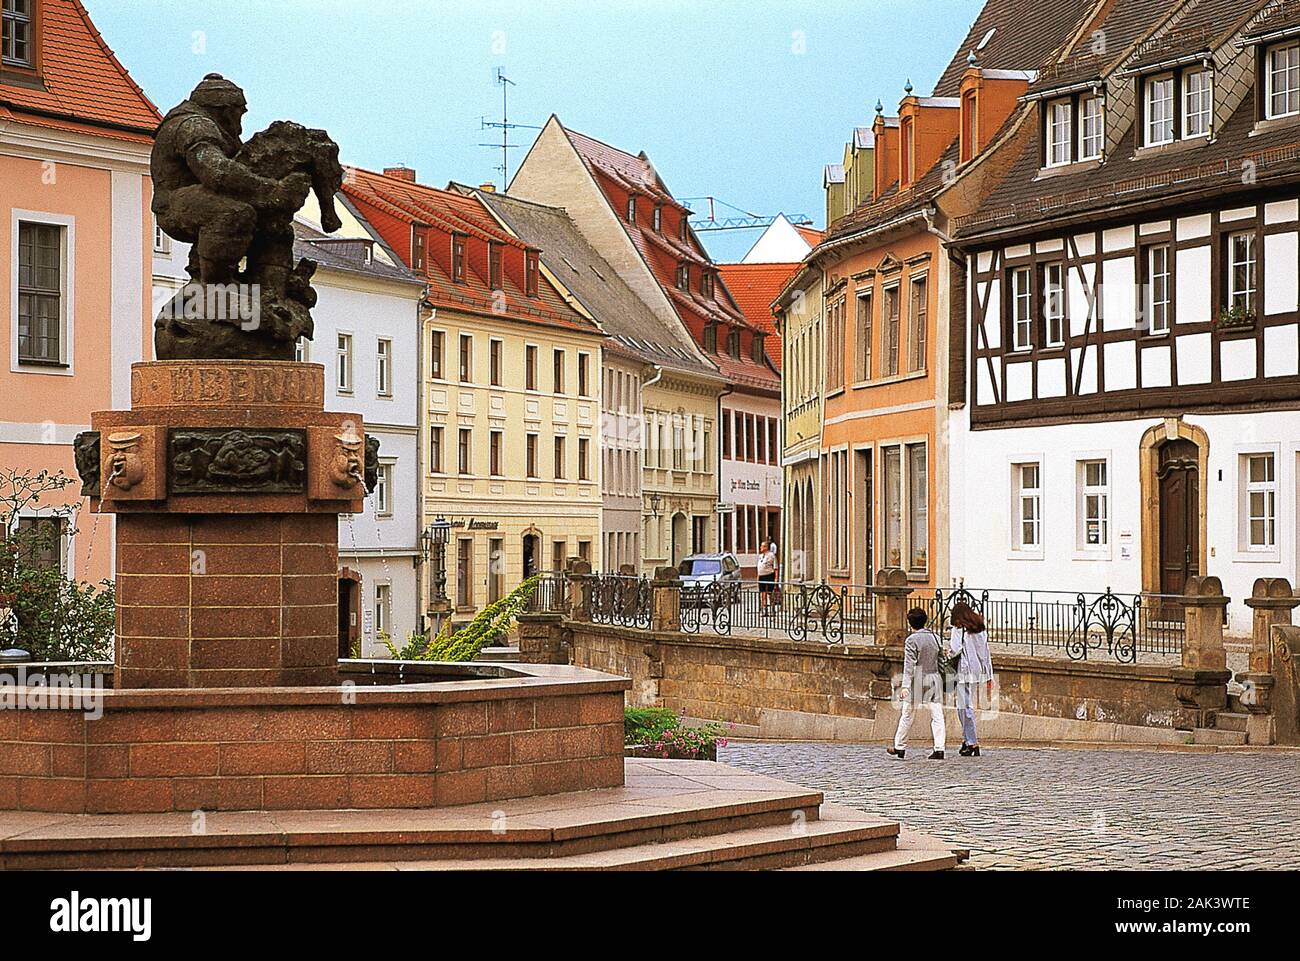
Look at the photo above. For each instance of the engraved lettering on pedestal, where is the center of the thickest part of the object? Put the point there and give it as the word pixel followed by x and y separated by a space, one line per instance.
pixel 230 461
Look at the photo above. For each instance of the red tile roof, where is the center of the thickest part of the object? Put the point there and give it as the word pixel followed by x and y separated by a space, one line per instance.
pixel 755 286
pixel 83 86
pixel 447 212
pixel 618 170
pixel 814 237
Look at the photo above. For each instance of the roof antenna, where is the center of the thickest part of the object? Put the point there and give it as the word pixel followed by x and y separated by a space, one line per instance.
pixel 505 126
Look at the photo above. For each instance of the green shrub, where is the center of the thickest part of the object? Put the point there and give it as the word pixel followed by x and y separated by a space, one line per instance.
pixel 489 627
pixel 641 725
pixel 49 615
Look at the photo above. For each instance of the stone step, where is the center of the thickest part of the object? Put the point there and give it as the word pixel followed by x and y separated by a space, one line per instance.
pixel 760 848
pixel 1228 721
pixel 1215 735
pixel 914 852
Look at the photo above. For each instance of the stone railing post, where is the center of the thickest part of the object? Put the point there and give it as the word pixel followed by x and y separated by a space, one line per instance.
pixel 1201 684
pixel 891 592
pixel 581 582
pixel 1204 606
pixel 1272 602
pixel 1286 684
pixel 666 600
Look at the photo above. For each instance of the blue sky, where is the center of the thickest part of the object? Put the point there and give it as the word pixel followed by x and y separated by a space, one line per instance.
pixel 743 100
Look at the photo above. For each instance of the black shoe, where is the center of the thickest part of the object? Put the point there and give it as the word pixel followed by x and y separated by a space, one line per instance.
pixel 937 756
pixel 895 753
pixel 974 750
pixel 966 749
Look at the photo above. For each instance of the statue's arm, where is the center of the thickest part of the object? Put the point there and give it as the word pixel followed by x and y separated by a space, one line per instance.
pixel 222 175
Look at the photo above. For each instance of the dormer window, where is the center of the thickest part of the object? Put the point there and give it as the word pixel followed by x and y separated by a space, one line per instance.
pixel 969 126
pixel 1060 127
pixel 711 338
pixel 16 47
pixel 458 258
pixel 631 210
pixel 417 250
pixel 494 265
pixel 530 273
pixel 1159 102
pixel 1091 127
pixel 683 277
pixel 757 348
pixel 659 219
pixel 1282 81
pixel 733 343
pixel 706 283
pixel 907 152
pixel 1198 103
pixel 684 228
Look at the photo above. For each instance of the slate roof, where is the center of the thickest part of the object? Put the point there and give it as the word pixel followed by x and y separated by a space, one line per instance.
pixel 345 254
pixel 83 87
pixel 1024 197
pixel 635 330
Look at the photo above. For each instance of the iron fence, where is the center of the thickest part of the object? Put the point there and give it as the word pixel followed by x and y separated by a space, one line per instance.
pixel 796 610
pixel 621 599
pixel 1077 624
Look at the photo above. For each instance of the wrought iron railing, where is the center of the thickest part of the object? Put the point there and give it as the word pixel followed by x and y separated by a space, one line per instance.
pixel 798 611
pixel 621 599
pixel 1080 625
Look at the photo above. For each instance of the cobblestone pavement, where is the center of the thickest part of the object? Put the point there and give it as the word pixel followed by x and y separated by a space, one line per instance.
pixel 1043 808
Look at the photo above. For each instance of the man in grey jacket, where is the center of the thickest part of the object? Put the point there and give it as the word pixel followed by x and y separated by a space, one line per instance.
pixel 922 683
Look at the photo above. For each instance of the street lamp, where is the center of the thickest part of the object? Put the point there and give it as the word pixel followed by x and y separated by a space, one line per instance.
pixel 654 504
pixel 434 542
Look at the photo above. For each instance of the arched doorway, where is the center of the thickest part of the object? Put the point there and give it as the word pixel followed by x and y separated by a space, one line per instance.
pixel 681 535
pixel 532 554
pixel 1174 460
pixel 1178 485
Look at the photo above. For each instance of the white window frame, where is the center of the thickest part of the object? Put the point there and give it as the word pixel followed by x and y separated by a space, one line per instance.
pixel 1054 306
pixel 1251 262
pixel 1150 122
pixel 1291 71
pixel 1022 299
pixel 1271 489
pixel 31 38
pixel 1155 325
pixel 1204 101
pixel 162 243
pixel 384 366
pixel 383 608
pixel 901 448
pixel 383 489
pixel 343 362
pixel 1084 492
pixel 1092 127
pixel 1021 494
pixel 302 350
pixel 1060 132
pixel 68 301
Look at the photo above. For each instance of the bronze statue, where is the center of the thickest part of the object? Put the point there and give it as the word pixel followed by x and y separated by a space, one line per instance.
pixel 235 202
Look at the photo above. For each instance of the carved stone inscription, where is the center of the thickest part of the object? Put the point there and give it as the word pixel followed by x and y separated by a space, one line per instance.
pixel 214 384
pixel 235 461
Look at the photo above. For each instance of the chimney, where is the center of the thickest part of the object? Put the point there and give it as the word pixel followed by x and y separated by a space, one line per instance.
pixel 401 172
pixel 488 188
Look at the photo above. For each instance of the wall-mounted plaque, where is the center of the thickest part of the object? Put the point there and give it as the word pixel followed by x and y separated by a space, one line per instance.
pixel 228 460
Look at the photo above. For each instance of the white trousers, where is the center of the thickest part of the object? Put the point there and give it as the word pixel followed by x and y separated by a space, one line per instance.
pixel 905 724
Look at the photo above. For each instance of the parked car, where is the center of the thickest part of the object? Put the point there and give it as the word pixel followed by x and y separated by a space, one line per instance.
pixel 700 572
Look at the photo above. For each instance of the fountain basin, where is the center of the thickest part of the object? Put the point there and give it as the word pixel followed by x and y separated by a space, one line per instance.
pixel 392 735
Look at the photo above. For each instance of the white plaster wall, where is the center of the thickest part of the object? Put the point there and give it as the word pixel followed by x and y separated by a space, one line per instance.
pixel 981 496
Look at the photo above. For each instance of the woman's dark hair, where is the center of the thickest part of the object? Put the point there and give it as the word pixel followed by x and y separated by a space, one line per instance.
pixel 917 617
pixel 967 618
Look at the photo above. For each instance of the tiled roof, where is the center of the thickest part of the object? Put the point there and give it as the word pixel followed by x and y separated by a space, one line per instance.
pixel 1201 25
pixel 810 234
pixel 340 254
pixel 635 330
pixel 1127 23
pixel 447 212
pixel 1016 35
pixel 662 252
pixel 755 286
pixel 1023 196
pixel 83 86
pixel 1284 16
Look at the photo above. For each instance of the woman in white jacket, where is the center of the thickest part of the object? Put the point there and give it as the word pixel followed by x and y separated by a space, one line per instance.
pixel 974 667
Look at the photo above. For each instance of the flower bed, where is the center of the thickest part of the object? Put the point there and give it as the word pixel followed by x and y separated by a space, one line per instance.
pixel 658 732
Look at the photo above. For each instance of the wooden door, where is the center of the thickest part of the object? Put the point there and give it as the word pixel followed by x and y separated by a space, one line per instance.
pixel 1180 515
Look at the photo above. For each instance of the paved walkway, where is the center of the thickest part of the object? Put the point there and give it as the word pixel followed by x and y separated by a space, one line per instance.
pixel 1065 808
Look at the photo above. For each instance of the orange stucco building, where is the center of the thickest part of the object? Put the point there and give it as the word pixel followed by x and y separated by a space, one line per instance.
pixel 76 249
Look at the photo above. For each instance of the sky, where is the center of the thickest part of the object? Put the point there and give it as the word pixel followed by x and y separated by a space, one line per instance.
pixel 742 100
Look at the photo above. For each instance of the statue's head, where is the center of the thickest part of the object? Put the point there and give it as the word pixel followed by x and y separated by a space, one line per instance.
pixel 223 100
